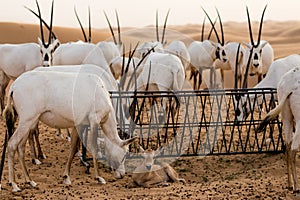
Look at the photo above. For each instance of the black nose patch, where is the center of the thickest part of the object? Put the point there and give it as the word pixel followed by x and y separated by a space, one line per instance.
pixel 46 58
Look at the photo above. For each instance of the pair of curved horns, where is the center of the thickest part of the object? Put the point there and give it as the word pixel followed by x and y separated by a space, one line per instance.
pixel 260 28
pixel 111 29
pixel 82 29
pixel 43 22
pixel 164 28
pixel 203 27
pixel 213 27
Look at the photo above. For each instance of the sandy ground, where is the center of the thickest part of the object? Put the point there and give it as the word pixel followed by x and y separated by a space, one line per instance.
pixel 213 177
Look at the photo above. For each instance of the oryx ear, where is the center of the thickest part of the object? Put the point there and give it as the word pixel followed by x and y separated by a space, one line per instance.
pixel 159 151
pixel 213 44
pixel 55 43
pixel 40 41
pixel 263 44
pixel 249 46
pixel 128 141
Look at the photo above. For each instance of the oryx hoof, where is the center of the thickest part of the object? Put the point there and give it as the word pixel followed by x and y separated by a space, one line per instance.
pixel 100 180
pixel 165 184
pixel 289 188
pixel 36 161
pixel 297 192
pixel 15 187
pixel 42 156
pixel 182 180
pixel 67 180
pixel 32 183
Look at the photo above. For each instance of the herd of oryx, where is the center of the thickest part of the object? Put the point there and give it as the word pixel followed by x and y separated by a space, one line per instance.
pixel 73 91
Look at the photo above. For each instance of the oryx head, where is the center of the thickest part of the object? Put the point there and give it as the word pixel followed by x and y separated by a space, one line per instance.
pixel 116 155
pixel 220 52
pixel 256 49
pixel 47 49
pixel 149 157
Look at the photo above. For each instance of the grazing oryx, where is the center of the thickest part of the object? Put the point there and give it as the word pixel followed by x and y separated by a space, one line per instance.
pixel 288 92
pixel 149 174
pixel 262 52
pixel 62 107
pixel 204 54
pixel 278 68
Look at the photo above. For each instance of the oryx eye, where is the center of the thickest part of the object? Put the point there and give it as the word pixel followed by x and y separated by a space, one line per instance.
pixel 260 51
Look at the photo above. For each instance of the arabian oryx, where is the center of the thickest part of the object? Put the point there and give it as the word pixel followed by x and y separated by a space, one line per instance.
pixel 288 92
pixel 231 49
pixel 204 54
pixel 148 174
pixel 161 72
pixel 62 107
pixel 261 54
pixel 278 68
pixel 16 59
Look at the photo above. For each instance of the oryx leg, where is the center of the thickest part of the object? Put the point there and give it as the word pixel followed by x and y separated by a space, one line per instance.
pixel 4 81
pixel 41 155
pixel 294 149
pixel 17 142
pixel 287 120
pixel 93 148
pixel 200 78
pixel 35 160
pixel 73 150
pixel 172 174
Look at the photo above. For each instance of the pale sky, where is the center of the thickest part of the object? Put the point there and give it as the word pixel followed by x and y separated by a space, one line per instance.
pixel 140 13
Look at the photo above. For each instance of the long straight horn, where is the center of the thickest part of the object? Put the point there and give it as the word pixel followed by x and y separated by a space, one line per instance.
pixel 157 34
pixel 213 26
pixel 236 67
pixel 110 28
pixel 221 26
pixel 249 26
pixel 202 30
pixel 211 29
pixel 119 28
pixel 90 27
pixel 164 29
pixel 51 22
pixel 43 21
pixel 260 26
pixel 82 29
pixel 41 25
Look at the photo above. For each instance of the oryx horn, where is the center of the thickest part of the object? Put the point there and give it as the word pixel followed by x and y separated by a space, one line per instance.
pixel 41 24
pixel 111 29
pixel 43 21
pixel 81 27
pixel 119 29
pixel 213 26
pixel 236 67
pixel 260 28
pixel 164 29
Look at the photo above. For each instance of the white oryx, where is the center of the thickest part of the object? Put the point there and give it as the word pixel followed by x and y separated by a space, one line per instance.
pixel 278 68
pixel 62 100
pixel 261 54
pixel 204 54
pixel 148 174
pixel 231 49
pixel 288 92
pixel 179 49
pixel 16 59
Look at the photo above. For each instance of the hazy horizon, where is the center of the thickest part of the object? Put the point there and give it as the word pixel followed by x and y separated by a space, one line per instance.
pixel 141 13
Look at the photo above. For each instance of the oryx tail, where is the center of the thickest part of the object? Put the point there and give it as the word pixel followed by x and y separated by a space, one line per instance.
pixel 273 113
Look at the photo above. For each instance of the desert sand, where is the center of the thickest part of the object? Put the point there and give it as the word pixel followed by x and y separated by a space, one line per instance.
pixel 212 177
